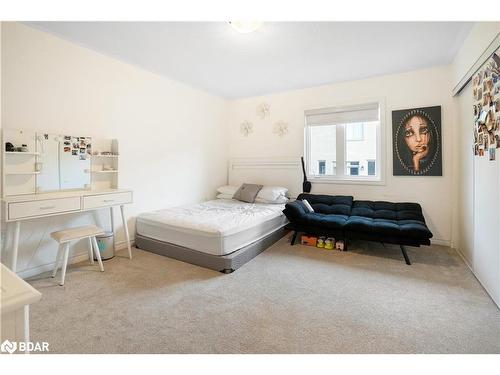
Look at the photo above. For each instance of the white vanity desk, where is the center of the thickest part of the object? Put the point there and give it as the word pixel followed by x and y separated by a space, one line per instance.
pixel 17 208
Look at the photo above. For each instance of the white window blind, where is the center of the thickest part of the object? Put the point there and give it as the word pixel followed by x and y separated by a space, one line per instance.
pixel 343 115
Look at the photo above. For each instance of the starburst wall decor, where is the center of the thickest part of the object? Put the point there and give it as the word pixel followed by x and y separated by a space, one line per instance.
pixel 263 110
pixel 246 128
pixel 280 128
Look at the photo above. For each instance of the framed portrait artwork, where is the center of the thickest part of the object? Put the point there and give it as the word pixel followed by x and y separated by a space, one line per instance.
pixel 416 142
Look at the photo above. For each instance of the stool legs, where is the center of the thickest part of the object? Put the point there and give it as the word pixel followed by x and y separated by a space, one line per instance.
pixel 65 263
pixel 63 253
pixel 91 255
pixel 97 254
pixel 58 259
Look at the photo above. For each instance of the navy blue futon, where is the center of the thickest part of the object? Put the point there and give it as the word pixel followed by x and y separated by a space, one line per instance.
pixel 344 218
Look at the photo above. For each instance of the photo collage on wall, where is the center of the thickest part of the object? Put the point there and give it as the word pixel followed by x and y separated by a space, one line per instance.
pixel 486 94
pixel 80 147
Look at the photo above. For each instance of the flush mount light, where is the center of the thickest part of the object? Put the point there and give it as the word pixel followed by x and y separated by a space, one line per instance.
pixel 245 27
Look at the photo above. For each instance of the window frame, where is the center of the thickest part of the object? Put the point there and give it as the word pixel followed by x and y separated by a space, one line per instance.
pixel 340 177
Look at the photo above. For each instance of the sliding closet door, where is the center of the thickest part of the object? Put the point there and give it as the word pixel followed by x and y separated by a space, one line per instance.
pixel 487 224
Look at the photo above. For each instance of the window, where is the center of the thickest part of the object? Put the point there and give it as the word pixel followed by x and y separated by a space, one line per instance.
pixel 343 143
pixel 322 167
pixel 353 168
pixel 354 131
pixel 371 167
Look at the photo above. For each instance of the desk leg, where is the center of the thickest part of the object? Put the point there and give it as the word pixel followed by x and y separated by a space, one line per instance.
pixel 112 219
pixel 27 327
pixel 15 246
pixel 125 228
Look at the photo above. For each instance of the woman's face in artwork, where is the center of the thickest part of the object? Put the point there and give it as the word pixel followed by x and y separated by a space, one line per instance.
pixel 417 134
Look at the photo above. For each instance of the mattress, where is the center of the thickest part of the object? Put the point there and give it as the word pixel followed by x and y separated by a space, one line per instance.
pixel 218 227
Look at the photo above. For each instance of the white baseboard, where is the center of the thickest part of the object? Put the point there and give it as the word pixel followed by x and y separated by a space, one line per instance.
pixel 441 242
pixel 80 257
pixel 461 255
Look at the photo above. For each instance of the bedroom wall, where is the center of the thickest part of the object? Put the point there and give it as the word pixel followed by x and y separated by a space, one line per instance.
pixel 172 137
pixel 407 90
pixel 476 224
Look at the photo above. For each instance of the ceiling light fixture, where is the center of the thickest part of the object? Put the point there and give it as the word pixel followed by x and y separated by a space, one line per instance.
pixel 245 27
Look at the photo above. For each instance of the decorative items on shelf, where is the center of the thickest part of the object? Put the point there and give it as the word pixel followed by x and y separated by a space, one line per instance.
pixel 486 108
pixel 105 153
pixel 263 110
pixel 280 128
pixel 9 147
pixel 246 128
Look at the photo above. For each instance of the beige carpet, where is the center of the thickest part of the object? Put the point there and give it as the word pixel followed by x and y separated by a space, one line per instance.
pixel 287 300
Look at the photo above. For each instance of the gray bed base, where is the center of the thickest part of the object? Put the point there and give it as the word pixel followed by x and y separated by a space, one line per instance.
pixel 223 263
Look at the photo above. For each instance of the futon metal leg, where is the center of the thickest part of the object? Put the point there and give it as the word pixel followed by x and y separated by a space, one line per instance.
pixel 294 237
pixel 407 259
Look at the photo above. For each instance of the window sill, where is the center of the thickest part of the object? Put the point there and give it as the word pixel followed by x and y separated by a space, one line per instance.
pixel 346 181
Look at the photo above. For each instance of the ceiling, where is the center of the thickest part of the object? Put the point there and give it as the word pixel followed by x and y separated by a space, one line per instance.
pixel 280 56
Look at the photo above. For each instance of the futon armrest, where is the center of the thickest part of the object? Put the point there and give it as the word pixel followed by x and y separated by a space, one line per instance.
pixel 294 211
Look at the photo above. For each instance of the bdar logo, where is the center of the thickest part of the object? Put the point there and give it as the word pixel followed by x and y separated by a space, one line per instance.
pixel 8 347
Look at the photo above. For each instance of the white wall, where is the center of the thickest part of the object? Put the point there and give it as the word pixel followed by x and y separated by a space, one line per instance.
pixel 172 137
pixel 414 89
pixel 477 226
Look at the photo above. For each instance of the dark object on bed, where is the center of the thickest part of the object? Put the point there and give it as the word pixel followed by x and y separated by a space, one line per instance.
pixel 222 263
pixel 343 217
pixel 306 185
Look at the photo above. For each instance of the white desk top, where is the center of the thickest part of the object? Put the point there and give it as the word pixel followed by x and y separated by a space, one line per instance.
pixel 15 292
pixel 60 194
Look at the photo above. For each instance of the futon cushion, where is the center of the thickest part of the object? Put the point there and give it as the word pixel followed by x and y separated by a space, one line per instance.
pixel 388 219
pixel 326 222
pixel 328 204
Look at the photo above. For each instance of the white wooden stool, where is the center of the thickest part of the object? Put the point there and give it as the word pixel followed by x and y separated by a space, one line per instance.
pixel 64 237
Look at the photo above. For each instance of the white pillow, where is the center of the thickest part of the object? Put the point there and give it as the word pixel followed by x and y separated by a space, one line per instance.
pixel 224 196
pixel 279 200
pixel 272 193
pixel 308 206
pixel 227 189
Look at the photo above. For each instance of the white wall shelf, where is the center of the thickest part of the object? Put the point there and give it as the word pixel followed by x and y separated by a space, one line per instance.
pixel 40 169
pixel 21 153
pixel 19 173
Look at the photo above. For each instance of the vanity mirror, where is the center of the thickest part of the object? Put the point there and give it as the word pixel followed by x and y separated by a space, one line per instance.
pixel 43 162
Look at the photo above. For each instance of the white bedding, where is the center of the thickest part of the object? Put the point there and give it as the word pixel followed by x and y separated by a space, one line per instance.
pixel 217 227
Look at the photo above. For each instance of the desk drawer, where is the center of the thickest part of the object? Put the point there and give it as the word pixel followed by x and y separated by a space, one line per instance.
pixel 19 210
pixel 106 200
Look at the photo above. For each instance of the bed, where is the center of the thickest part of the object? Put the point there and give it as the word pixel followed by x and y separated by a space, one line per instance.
pixel 221 234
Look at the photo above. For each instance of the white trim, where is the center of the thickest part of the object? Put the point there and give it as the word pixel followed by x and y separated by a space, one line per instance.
pixel 437 241
pixel 492 47
pixel 345 181
pixel 471 269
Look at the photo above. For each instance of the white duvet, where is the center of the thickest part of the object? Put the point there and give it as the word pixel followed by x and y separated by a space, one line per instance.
pixel 217 227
